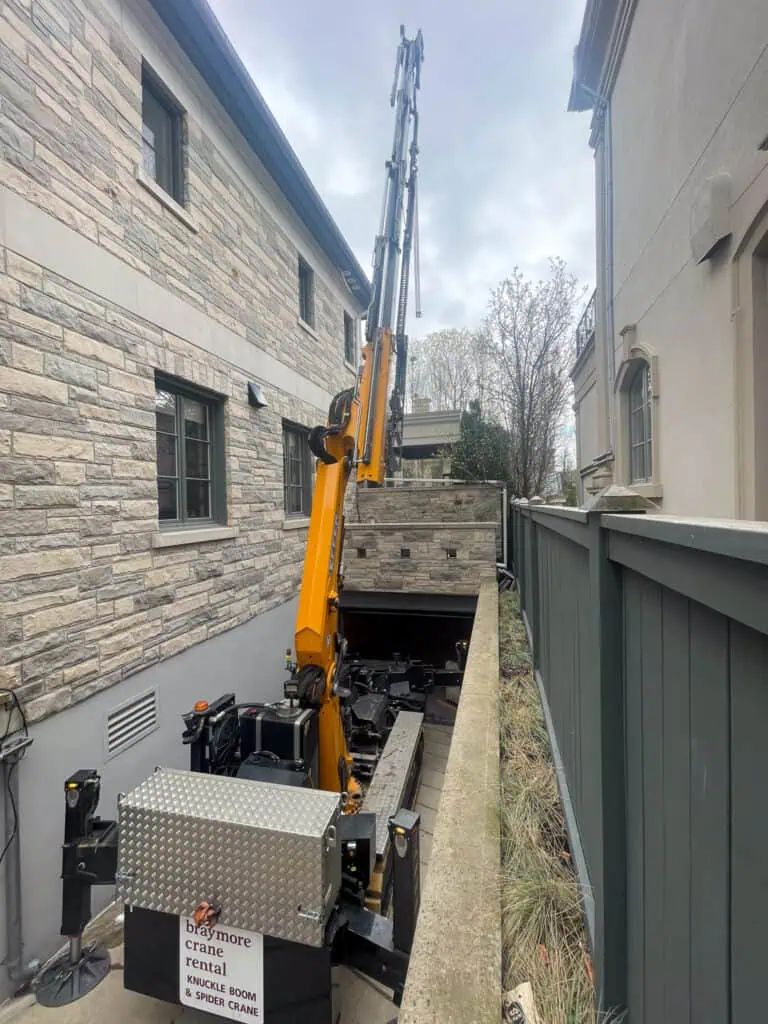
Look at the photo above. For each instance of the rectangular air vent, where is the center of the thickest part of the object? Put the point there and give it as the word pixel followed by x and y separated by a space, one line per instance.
pixel 130 722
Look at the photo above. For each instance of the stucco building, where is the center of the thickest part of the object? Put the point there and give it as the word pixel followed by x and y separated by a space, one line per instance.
pixel 429 437
pixel 177 308
pixel 672 368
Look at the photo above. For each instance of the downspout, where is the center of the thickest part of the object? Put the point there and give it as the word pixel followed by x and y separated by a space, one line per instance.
pixel 610 351
pixel 11 753
pixel 602 106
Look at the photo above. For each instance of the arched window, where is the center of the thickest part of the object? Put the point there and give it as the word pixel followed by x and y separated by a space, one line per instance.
pixel 640 425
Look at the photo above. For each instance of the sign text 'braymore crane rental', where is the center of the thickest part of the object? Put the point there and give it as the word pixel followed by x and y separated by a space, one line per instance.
pixel 221 970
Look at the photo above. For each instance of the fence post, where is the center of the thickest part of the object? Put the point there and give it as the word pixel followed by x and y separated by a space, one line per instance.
pixel 605 579
pixel 520 549
pixel 610 889
pixel 533 611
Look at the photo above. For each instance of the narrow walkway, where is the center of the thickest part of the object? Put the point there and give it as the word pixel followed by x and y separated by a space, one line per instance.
pixel 362 1001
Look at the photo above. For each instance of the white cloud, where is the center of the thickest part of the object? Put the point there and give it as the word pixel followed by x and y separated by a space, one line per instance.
pixel 507 176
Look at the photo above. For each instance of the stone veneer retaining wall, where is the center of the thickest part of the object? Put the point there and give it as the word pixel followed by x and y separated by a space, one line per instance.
pixel 427 523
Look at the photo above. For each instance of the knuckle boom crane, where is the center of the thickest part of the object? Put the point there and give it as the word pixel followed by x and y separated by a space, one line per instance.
pixel 246 879
pixel 361 435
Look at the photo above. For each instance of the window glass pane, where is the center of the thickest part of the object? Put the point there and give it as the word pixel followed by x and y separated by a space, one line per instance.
pixel 637 469
pixel 159 139
pixel 640 426
pixel 197 459
pixel 166 499
pixel 195 419
pixel 165 411
pixel 198 499
pixel 185 458
pixel 349 338
pixel 306 311
pixel 149 159
pixel 166 455
pixel 297 471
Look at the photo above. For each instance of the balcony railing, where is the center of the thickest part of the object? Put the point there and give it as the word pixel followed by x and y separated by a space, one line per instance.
pixel 585 329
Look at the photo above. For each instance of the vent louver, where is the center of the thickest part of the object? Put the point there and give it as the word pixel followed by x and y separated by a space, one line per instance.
pixel 130 722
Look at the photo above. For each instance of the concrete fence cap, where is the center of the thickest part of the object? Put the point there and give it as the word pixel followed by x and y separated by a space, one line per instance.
pixel 615 498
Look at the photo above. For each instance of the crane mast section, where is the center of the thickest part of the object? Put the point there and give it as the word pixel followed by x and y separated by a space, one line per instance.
pixel 356 437
pixel 385 323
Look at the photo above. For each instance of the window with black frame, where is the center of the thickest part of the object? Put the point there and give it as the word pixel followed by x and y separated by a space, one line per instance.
pixel 350 340
pixel 306 293
pixel 640 425
pixel 190 470
pixel 297 470
pixel 161 136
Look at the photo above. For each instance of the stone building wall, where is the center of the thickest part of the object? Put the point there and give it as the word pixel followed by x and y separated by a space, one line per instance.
pixel 85 597
pixel 103 285
pixel 71 83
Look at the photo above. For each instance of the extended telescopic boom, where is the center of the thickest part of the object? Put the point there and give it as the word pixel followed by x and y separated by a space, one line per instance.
pixel 360 434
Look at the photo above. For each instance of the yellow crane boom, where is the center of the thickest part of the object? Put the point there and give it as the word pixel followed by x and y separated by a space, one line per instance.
pixel 361 434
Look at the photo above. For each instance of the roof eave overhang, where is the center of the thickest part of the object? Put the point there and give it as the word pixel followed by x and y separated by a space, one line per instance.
pixel 205 43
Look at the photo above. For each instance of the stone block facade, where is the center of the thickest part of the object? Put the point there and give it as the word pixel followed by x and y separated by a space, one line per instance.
pixel 104 285
pixel 424 559
pixel 443 539
pixel 438 503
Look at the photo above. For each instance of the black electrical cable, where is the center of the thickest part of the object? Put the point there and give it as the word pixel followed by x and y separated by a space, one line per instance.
pixel 9 796
pixel 9 792
pixel 14 697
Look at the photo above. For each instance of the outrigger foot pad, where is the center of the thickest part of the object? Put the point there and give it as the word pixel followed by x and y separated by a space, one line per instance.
pixel 66 981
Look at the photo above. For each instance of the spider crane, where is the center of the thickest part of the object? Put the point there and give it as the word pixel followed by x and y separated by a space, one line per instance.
pixel 361 434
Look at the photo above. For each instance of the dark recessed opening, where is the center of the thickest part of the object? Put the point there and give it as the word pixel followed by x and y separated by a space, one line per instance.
pixel 361 552
pixel 450 552
pixel 405 552
pixel 430 638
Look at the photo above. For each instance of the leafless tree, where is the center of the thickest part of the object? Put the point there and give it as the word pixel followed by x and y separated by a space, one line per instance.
pixel 450 367
pixel 529 331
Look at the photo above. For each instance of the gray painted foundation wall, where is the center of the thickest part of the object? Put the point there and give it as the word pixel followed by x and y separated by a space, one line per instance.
pixel 248 661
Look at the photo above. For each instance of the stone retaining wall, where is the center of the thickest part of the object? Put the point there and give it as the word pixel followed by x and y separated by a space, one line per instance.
pixel 446 503
pixel 436 558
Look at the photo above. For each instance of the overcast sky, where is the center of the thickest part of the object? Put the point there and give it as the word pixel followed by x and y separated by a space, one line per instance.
pixel 506 174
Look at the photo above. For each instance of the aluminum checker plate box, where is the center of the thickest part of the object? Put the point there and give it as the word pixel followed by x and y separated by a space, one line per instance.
pixel 266 853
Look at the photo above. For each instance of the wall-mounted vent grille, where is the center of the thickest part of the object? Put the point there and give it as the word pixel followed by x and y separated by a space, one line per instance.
pixel 130 722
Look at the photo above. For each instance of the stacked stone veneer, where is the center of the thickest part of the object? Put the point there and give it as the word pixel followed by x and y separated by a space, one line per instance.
pixel 429 523
pixel 86 596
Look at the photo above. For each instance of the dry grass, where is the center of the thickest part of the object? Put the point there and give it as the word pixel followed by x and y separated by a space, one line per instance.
pixel 544 937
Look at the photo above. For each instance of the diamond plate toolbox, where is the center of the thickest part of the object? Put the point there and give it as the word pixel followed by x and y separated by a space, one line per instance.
pixel 267 854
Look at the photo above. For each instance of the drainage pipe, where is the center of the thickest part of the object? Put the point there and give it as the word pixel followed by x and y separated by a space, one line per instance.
pixel 17 970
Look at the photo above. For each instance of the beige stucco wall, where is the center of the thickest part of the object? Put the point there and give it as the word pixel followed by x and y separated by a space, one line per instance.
pixel 690 101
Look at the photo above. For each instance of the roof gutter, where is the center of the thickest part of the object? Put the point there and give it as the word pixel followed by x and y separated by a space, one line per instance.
pixel 199 34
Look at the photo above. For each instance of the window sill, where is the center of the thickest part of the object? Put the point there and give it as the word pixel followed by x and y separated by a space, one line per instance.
pixel 168 202
pixel 297 523
pixel 308 328
pixel 350 366
pixel 192 535
pixel 648 490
